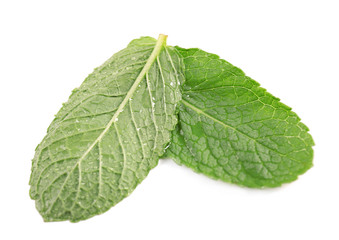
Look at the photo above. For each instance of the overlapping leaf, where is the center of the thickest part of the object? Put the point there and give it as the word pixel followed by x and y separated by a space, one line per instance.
pixel 232 129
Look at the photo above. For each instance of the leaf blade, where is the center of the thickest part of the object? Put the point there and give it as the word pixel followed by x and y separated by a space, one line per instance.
pixel 107 130
pixel 233 130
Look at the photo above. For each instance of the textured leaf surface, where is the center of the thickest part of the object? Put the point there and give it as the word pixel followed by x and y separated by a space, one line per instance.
pixel 110 133
pixel 232 129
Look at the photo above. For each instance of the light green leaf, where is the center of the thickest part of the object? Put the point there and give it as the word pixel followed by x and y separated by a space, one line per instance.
pixel 232 129
pixel 108 136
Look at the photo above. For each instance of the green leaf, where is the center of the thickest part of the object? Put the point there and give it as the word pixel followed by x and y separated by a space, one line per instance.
pixel 233 130
pixel 108 136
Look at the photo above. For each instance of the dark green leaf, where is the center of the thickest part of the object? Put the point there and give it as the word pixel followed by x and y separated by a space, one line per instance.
pixel 232 129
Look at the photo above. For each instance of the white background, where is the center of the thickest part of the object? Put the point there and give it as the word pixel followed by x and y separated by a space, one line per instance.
pixel 47 48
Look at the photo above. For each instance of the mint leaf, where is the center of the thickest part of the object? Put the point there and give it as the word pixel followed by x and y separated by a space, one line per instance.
pixel 233 130
pixel 110 134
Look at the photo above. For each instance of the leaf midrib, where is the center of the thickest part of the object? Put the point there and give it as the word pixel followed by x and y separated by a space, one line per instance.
pixel 199 111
